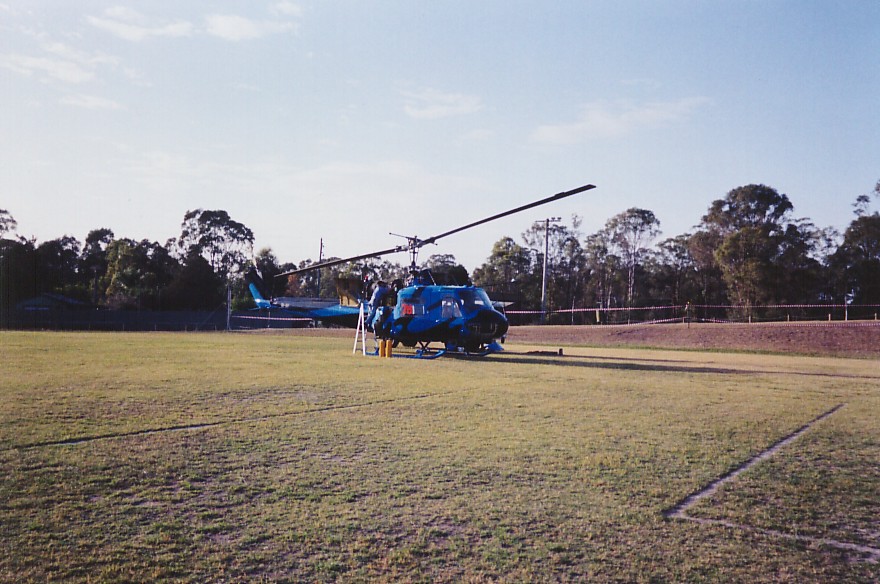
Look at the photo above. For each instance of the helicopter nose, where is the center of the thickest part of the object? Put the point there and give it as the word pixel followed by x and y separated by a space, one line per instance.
pixel 487 325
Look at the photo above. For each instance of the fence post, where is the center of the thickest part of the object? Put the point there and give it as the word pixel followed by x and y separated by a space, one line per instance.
pixel 228 308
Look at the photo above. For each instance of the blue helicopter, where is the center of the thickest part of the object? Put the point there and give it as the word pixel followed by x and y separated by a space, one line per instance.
pixel 435 319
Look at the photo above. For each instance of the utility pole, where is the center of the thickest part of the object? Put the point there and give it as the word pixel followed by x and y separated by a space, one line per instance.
pixel 547 222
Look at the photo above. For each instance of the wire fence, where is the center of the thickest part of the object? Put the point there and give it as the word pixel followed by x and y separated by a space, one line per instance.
pixel 220 319
pixel 252 322
pixel 708 313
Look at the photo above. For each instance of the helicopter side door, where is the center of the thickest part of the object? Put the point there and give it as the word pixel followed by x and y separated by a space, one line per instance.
pixel 449 307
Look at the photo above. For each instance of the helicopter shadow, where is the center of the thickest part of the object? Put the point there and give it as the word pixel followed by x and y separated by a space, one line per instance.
pixel 655 365
pixel 618 364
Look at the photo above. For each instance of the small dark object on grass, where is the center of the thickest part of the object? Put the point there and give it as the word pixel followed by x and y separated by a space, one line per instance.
pixel 554 353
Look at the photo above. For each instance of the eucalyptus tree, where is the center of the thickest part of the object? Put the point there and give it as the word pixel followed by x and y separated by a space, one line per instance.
pixel 93 260
pixel 673 272
pixel 7 223
pixel 746 232
pixel 509 269
pixel 565 260
pixel 799 274
pixel 56 267
pixel 17 266
pixel 139 274
pixel 631 232
pixel 225 243
pixel 195 286
pixel 856 263
pixel 701 247
pixel 603 267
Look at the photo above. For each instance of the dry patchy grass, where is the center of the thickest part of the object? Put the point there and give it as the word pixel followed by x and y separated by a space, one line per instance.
pixel 223 457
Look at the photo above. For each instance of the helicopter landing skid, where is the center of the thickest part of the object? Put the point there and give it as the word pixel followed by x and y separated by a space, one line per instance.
pixel 427 354
pixel 426 351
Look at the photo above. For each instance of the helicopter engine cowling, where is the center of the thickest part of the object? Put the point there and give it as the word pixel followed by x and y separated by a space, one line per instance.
pixel 487 325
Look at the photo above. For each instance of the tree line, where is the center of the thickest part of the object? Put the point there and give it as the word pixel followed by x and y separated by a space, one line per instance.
pixel 748 250
pixel 189 272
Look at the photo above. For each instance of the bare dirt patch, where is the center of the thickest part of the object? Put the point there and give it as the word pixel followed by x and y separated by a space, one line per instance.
pixel 853 339
pixel 859 339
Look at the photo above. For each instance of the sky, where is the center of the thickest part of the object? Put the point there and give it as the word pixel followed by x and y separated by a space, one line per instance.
pixel 348 120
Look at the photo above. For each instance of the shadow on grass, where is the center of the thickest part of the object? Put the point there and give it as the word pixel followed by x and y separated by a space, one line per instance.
pixel 655 365
pixel 616 364
pixel 75 440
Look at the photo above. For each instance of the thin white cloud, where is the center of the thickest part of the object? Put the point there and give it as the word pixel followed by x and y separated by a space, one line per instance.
pixel 430 104
pixel 58 69
pixel 232 27
pixel 59 62
pixel 286 9
pixel 130 25
pixel 125 13
pixel 70 54
pixel 136 77
pixel 90 102
pixel 604 119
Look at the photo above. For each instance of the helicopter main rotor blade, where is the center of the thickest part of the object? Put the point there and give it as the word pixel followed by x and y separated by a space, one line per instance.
pixel 331 263
pixel 416 243
pixel 555 197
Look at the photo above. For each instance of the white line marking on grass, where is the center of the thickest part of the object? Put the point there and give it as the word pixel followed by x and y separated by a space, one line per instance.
pixel 710 489
pixel 679 511
pixel 872 554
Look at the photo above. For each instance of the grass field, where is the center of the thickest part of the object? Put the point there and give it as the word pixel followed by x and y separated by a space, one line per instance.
pixel 248 457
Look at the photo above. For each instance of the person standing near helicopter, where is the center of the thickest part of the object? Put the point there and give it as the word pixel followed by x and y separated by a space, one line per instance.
pixel 380 293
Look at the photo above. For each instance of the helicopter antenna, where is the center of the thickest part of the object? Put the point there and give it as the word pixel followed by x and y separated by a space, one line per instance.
pixel 413 243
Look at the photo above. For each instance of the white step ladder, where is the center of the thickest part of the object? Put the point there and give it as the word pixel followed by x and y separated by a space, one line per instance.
pixel 360 334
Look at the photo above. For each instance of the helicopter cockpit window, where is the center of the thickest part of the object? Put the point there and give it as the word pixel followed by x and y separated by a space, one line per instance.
pixel 449 308
pixel 474 299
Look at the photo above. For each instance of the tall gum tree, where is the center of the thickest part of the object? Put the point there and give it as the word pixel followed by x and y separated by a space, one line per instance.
pixel 631 233
pixel 224 242
pixel 566 264
pixel 856 263
pixel 7 223
pixel 754 240
pixel 508 270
